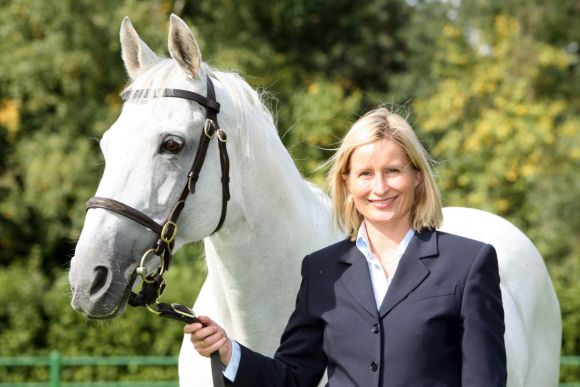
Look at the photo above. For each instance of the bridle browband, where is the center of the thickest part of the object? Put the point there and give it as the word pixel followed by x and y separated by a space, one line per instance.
pixel 154 283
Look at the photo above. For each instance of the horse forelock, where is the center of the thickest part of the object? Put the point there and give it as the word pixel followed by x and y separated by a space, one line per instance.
pixel 158 76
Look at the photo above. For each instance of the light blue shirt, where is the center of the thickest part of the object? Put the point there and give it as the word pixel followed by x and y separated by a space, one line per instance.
pixel 379 280
pixel 232 369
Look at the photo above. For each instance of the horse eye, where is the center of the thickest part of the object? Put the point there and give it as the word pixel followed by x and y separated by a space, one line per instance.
pixel 172 144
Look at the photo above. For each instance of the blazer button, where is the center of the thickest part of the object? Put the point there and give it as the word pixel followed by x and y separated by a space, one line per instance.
pixel 374 366
pixel 375 329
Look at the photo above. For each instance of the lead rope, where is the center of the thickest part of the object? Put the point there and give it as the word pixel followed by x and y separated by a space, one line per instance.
pixel 152 288
pixel 183 313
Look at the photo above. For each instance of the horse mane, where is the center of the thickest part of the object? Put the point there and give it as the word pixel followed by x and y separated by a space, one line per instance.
pixel 250 110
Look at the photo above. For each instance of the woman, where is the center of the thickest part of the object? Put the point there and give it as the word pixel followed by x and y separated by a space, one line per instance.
pixel 397 303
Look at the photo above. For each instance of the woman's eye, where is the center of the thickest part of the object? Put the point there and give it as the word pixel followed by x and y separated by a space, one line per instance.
pixel 172 145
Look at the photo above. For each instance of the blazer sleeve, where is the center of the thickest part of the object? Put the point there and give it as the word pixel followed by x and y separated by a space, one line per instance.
pixel 482 317
pixel 299 361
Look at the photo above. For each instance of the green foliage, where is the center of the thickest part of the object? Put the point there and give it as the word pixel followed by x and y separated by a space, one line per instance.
pixel 504 120
pixel 22 300
pixel 515 130
pixel 341 39
pixel 321 114
pixel 58 97
pixel 565 277
pixel 37 319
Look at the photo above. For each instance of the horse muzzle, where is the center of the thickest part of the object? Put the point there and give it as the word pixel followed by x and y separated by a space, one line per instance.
pixel 102 293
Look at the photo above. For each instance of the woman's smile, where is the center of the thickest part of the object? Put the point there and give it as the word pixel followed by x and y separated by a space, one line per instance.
pixel 383 203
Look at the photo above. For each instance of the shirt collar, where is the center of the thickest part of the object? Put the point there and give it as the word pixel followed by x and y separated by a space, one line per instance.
pixel 362 243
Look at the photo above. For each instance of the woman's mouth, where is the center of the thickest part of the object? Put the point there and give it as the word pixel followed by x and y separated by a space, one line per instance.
pixel 381 203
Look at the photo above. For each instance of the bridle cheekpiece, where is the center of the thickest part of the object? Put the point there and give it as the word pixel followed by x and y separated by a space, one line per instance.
pixel 154 283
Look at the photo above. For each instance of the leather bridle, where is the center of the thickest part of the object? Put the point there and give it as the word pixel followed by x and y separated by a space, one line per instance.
pixel 154 283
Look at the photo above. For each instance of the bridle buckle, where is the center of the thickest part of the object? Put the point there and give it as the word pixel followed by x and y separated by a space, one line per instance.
pixel 209 128
pixel 221 135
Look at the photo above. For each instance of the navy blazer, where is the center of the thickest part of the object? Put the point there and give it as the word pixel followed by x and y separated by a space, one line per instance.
pixel 441 322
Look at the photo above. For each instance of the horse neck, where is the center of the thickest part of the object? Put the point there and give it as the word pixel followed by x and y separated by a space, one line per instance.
pixel 269 199
pixel 269 196
pixel 274 219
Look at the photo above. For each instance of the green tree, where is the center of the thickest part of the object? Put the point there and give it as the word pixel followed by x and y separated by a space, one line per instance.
pixel 503 120
pixel 58 93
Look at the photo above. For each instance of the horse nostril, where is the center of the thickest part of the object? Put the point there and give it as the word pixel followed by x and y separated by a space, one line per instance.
pixel 100 279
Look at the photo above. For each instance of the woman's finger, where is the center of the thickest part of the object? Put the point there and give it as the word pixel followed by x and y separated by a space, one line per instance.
pixel 215 347
pixel 205 333
pixel 192 328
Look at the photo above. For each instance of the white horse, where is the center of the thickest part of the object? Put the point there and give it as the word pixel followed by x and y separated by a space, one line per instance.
pixel 273 219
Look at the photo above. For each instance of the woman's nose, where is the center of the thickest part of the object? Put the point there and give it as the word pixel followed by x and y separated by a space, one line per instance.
pixel 380 184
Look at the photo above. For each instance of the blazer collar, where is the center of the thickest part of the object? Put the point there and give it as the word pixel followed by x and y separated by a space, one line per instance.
pixel 357 279
pixel 410 273
pixel 411 270
pixel 423 244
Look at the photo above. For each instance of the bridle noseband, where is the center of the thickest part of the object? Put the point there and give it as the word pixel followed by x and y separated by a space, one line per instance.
pixel 154 283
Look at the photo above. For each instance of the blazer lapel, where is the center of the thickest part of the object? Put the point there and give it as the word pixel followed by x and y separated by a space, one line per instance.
pixel 411 271
pixel 357 279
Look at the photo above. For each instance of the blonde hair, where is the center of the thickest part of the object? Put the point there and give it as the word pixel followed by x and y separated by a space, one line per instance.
pixel 376 125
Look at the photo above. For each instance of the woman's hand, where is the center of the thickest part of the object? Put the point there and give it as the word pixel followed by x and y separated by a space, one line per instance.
pixel 210 337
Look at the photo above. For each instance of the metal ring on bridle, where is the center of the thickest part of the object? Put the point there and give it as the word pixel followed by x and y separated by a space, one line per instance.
pixel 152 310
pixel 221 135
pixel 206 127
pixel 142 269
pixel 169 226
pixel 159 291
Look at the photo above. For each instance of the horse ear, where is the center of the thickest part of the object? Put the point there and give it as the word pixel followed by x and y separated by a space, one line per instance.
pixel 135 52
pixel 183 47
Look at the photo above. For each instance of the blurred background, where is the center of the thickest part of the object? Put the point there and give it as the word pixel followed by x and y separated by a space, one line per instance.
pixel 491 86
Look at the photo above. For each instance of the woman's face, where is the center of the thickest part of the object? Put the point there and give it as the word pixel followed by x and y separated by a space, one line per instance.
pixel 382 184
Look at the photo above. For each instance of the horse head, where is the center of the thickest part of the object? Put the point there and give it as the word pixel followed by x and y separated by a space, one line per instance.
pixel 148 155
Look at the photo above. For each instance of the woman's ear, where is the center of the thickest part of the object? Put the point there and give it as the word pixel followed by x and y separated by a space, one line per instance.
pixel 418 178
pixel 345 184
